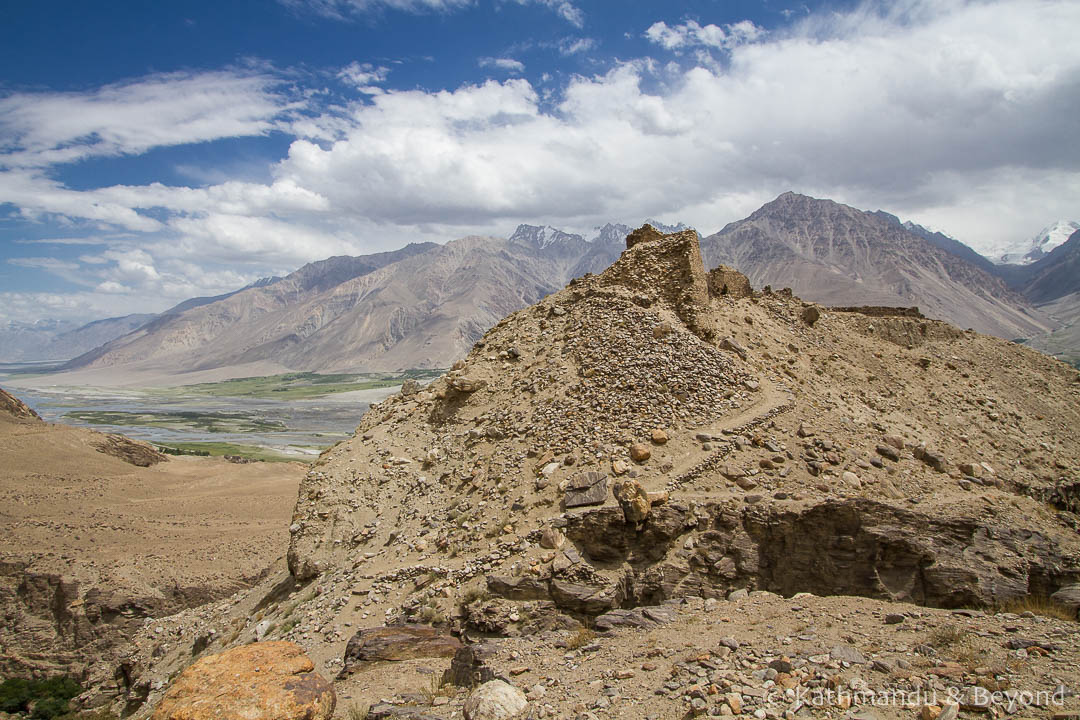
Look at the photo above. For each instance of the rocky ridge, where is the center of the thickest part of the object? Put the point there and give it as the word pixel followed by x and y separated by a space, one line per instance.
pixel 676 469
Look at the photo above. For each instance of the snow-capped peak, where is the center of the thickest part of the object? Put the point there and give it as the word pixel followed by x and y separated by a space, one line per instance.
pixel 1026 252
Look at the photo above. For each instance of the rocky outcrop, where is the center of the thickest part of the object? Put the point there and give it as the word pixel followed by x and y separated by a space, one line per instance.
pixel 263 681
pixel 1068 597
pixel 130 451
pixel 58 625
pixel 12 408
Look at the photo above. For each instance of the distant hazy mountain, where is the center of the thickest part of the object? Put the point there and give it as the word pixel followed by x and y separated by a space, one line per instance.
pixel 837 255
pixel 1029 251
pixel 951 245
pixel 61 340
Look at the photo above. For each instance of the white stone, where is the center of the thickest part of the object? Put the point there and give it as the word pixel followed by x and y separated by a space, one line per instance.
pixel 495 700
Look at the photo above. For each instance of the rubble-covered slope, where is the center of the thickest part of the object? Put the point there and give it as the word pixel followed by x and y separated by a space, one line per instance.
pixel 635 439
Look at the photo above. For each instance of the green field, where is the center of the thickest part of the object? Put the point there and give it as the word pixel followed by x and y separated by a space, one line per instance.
pixel 299 386
pixel 209 422
pixel 219 449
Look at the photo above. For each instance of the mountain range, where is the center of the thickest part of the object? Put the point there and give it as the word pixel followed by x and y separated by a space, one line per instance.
pixel 427 304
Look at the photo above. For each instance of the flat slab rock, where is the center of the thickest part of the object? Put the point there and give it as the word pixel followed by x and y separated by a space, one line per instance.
pixel 386 711
pixel 586 488
pixel 640 617
pixel 404 642
pixel 261 681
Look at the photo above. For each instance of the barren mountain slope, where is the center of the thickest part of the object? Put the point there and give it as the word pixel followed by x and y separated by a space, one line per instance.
pixel 239 322
pixel 630 450
pixel 837 255
pixel 94 544
pixel 418 308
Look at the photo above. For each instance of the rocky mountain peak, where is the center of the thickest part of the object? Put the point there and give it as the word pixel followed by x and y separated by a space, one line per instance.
pixel 541 237
pixel 611 234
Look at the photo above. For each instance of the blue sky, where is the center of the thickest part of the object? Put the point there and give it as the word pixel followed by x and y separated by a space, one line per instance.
pixel 151 152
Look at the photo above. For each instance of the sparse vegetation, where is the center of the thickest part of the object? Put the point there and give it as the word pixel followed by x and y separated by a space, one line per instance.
pixel 436 688
pixel 579 639
pixel 44 699
pixel 211 422
pixel 301 385
pixel 1038 604
pixel 947 636
pixel 221 449
pixel 357 711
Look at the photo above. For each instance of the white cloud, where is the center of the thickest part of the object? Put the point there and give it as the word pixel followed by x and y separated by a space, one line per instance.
pixel 343 9
pixel 42 129
pixel 691 34
pixel 45 263
pixel 508 64
pixel 573 46
pixel 364 76
pixel 566 10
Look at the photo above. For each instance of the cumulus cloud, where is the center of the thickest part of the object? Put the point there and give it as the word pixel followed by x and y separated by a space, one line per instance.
pixel 895 109
pixel 508 64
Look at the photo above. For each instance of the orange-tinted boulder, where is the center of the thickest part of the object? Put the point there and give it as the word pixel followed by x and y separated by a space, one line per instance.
pixel 261 681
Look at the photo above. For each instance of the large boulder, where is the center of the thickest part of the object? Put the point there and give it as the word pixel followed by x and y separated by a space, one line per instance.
pixel 586 488
pixel 1069 598
pixel 633 500
pixel 495 700
pixel 263 681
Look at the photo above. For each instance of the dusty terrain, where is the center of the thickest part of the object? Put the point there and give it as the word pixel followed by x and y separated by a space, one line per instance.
pixel 93 544
pixel 660 458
